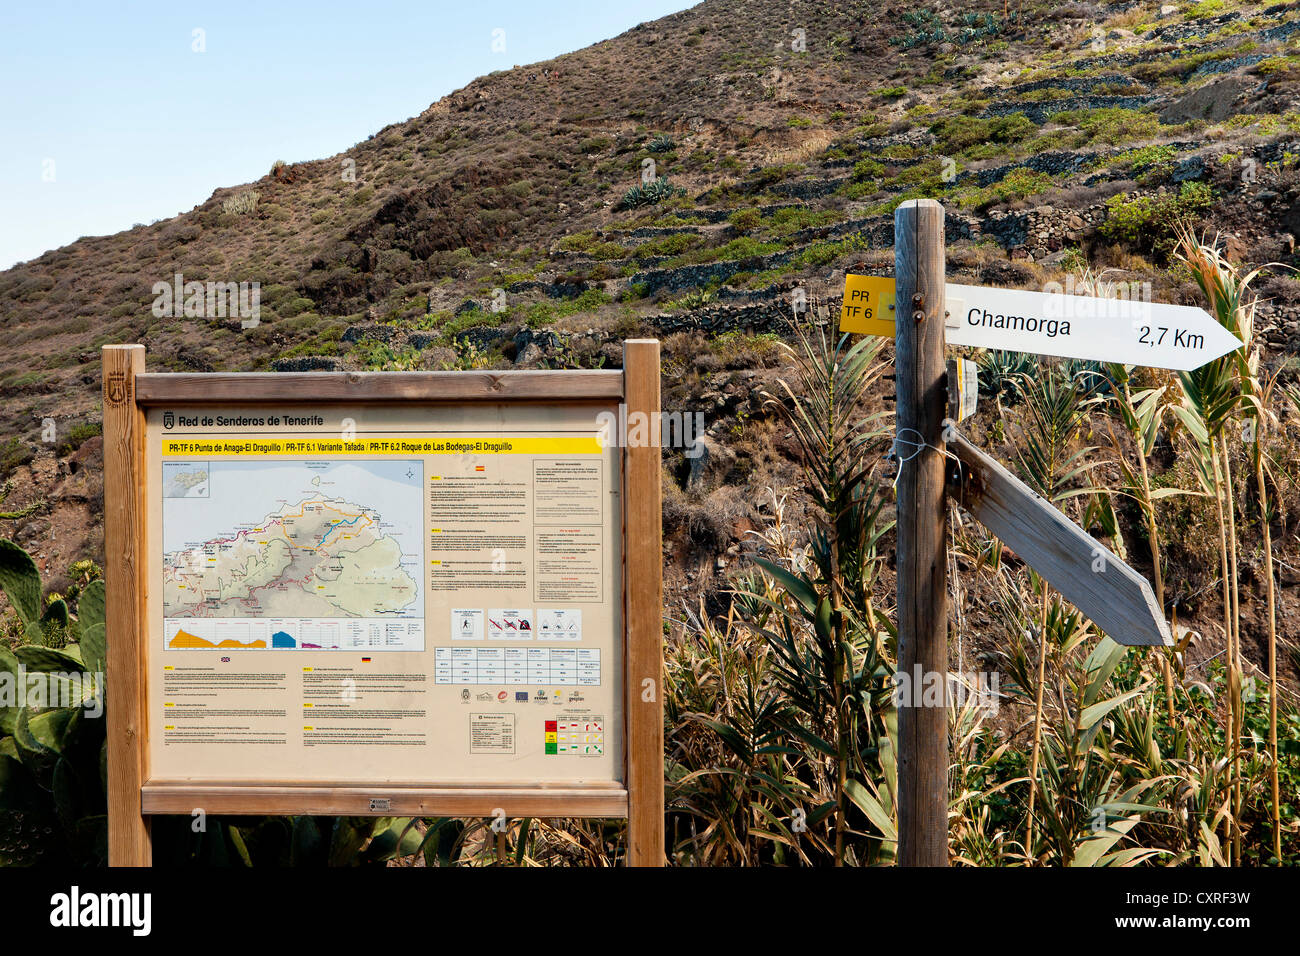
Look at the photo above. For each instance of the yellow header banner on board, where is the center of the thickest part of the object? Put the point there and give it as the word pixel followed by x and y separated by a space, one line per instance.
pixel 406 445
pixel 868 305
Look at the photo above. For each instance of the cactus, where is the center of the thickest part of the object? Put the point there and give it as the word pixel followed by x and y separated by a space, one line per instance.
pixel 52 795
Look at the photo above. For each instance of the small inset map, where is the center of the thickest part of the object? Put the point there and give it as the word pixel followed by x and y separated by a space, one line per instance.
pixel 185 479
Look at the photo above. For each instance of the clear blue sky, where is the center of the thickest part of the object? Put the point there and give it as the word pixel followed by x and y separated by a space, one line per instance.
pixel 138 126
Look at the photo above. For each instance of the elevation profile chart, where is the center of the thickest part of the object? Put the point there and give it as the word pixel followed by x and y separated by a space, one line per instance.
pixel 293 555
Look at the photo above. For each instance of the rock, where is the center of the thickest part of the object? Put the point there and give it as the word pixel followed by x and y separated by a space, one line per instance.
pixel 309 363
pixel 439 356
pixel 1214 102
pixel 378 333
pixel 612 352
pixel 1188 169
pixel 32 529
pixel 706 460
pixel 530 354
pixel 482 336
pixel 1233 248
pixel 90 454
pixel 543 341
pixel 1168 10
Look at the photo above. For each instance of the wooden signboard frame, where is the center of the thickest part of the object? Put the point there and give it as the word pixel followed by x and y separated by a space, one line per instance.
pixel 129 390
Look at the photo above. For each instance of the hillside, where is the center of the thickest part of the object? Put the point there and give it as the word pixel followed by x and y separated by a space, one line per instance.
pixel 783 135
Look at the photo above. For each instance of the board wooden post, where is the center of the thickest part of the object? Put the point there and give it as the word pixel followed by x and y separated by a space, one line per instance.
pixel 124 551
pixel 643 607
pixel 922 525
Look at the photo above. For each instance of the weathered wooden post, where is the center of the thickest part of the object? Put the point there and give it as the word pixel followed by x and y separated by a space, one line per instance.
pixel 644 599
pixel 922 527
pixel 129 841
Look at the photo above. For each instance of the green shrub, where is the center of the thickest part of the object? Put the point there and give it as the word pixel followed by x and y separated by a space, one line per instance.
pixel 596 144
pixel 954 134
pixel 1111 124
pixel 1278 64
pixel 13 454
pixel 77 435
pixel 1144 157
pixel 1148 223
pixel 866 169
pixel 745 220
pixel 606 251
pixel 577 241
pixel 673 245
pixel 786 221
pixel 742 247
pixel 1020 183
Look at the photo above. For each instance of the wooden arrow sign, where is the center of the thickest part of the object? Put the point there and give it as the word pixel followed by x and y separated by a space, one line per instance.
pixel 1108 592
pixel 1128 331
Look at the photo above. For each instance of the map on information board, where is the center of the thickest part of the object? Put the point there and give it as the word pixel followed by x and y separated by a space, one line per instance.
pixel 284 555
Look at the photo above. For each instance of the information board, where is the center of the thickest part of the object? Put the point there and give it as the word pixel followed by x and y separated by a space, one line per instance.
pixel 424 596
pixel 388 593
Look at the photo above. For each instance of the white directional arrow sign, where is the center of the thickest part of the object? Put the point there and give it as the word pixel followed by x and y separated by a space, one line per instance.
pixel 1128 331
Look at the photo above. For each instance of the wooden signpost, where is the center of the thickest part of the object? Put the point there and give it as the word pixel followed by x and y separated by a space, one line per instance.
pixel 390 594
pixel 918 308
pixel 922 528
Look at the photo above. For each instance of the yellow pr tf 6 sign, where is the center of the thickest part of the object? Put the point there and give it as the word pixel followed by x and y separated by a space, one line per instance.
pixel 868 305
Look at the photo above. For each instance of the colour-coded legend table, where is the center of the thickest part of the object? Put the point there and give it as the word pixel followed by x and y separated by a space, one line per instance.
pixel 584 737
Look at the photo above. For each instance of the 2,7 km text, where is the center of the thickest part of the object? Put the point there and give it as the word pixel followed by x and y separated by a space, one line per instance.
pixel 1183 338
